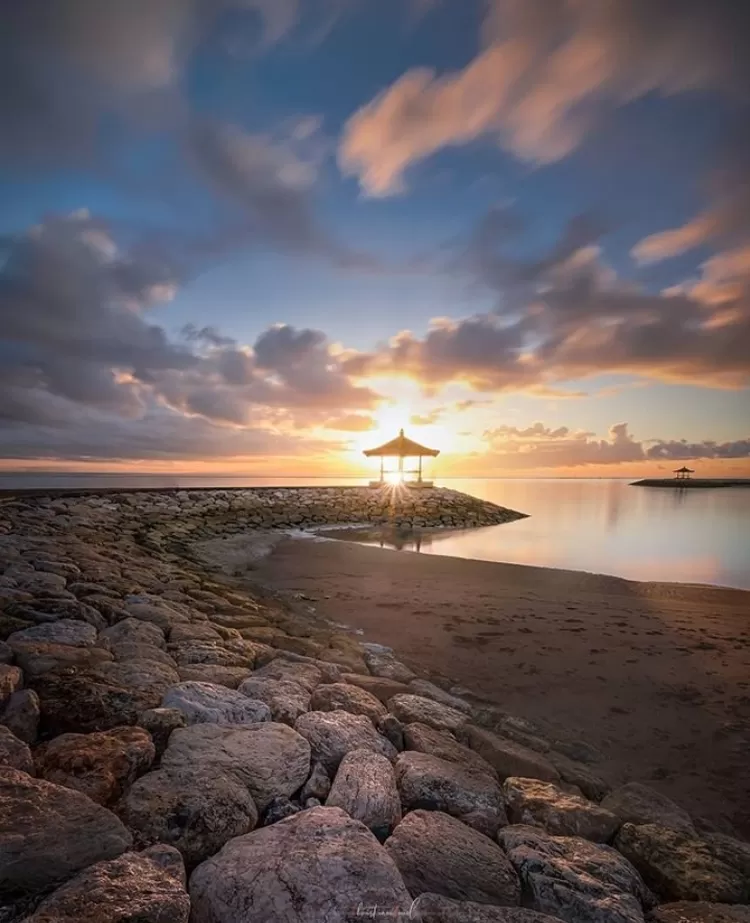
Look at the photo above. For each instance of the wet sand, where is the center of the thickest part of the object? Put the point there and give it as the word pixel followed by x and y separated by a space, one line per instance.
pixel 655 675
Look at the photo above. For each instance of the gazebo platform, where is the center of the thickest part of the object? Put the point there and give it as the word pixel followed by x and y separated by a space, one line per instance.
pixel 400 448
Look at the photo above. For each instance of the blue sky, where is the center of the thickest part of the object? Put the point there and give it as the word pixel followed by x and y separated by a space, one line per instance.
pixel 344 171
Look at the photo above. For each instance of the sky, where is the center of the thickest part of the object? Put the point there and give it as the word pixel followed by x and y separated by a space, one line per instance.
pixel 258 236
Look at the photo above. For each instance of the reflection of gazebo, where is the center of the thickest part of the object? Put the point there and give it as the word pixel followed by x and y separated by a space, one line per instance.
pixel 401 448
pixel 683 474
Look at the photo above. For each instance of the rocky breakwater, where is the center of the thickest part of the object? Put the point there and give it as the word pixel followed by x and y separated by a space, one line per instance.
pixel 173 750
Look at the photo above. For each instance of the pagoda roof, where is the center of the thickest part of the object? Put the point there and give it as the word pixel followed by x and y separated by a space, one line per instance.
pixel 401 447
pixel 683 470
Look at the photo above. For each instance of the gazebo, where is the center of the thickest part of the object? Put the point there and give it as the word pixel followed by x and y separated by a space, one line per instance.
pixel 401 447
pixel 683 474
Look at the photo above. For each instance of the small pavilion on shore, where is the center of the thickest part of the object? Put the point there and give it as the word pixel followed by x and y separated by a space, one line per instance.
pixel 683 474
pixel 401 448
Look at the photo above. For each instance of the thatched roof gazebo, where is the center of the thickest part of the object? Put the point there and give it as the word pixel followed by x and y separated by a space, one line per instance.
pixel 401 447
pixel 683 474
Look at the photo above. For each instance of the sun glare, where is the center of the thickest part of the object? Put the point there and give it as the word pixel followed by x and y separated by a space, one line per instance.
pixel 394 478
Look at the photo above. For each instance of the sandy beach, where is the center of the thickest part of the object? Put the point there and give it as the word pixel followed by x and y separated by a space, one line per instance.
pixel 654 675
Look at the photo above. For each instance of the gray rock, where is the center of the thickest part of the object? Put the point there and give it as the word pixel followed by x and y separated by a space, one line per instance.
pixel 231 677
pixel 415 708
pixel 430 691
pixel 365 787
pixel 21 715
pixel 160 722
pixel 318 784
pixel 332 734
pixel 700 912
pixel 205 703
pixel 133 631
pixel 345 697
pixel 286 699
pixel 680 866
pixel 542 804
pixel 574 879
pixel 318 865
pixel 194 809
pixel 578 750
pixel 167 858
pixel 65 631
pixel 14 753
pixel 6 654
pixel 11 679
pixel 438 854
pixel 122 890
pixel 734 852
pixel 385 665
pixel 509 758
pixel 194 632
pixel 443 744
pixel 125 651
pixel 474 797
pixel 578 774
pixel 279 809
pixel 382 688
pixel 165 617
pixel 301 671
pixel 48 833
pixel 392 729
pixel 39 657
pixel 639 804
pixel 269 759
pixel 434 908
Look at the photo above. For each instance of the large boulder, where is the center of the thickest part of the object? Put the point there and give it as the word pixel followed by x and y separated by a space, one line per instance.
pixel 39 657
pixel 132 631
pixel 14 753
pixel 410 708
pixel 700 912
pixel 317 865
pixel 474 797
pixel 127 889
pixel 429 690
pixel 125 651
pixel 270 759
pixel 574 879
pixel 425 739
pixel 285 698
pixel 48 833
pixel 365 787
pixel 590 783
pixel 434 908
pixel 332 734
pixel 231 677
pixel 381 662
pixel 380 686
pixel 560 813
pixel 300 670
pixel 509 758
pixel 206 703
pixel 102 765
pixel 639 804
pixel 437 853
pixel 21 715
pixel 195 809
pixel 335 696
pixel 64 631
pixel 682 866
pixel 160 722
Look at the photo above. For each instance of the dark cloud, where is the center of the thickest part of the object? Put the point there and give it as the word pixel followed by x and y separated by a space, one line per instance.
pixel 682 449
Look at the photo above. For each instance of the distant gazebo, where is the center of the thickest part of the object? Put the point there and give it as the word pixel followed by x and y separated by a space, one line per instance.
pixel 683 474
pixel 401 447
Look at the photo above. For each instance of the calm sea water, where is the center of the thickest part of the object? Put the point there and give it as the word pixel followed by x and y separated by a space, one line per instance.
pixel 602 526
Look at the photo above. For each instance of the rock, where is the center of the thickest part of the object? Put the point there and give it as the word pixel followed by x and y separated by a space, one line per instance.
pixel 434 908
pixel 438 854
pixel 385 665
pixel 231 677
pixel 84 702
pixel 279 809
pixel 150 678
pixel 509 758
pixel 161 615
pixel 48 833
pixel 335 696
pixel 122 890
pixel 210 652
pixel 425 739
pixel 379 686
pixel 125 652
pixel 160 722
pixel 14 753
pixel 301 672
pixel 541 804
pixel 580 775
pixel 332 734
pixel 318 865
pixel 37 658
pixel 269 759
pixel 318 784
pixel 11 679
pixel 426 781
pixel 430 691
pixel 21 715
pixel 734 852
pixel 101 765
pixel 365 787
pixel 415 708
pixel 392 729
pixel 133 631
pixel 574 879
pixel 193 808
pixel 65 631
pixel 286 699
pixel 681 866
pixel 194 632
pixel 205 703
pixel 578 750
pixel 6 654
pixel 699 912
pixel 167 858
pixel 639 804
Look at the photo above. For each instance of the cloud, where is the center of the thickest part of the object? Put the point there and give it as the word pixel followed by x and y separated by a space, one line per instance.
pixel 682 449
pixel 540 76
pixel 350 423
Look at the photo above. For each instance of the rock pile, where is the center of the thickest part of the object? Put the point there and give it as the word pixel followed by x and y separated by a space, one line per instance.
pixel 173 750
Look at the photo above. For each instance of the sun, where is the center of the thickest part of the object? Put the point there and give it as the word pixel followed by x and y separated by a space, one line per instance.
pixel 394 478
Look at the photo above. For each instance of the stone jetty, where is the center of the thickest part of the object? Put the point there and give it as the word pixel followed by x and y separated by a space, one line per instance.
pixel 174 749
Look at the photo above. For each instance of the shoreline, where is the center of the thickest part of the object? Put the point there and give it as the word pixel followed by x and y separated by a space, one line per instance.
pixel 654 676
